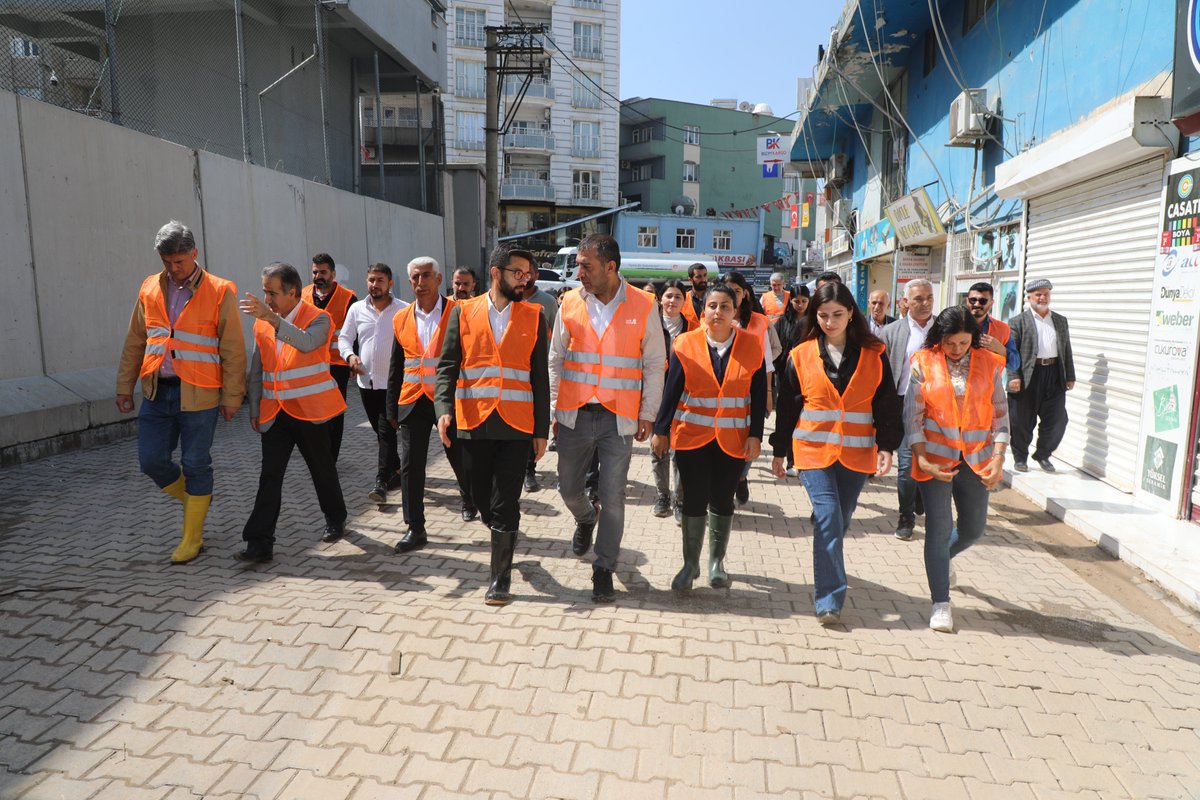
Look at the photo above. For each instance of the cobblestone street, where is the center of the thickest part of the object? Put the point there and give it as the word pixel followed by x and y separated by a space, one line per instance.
pixel 346 671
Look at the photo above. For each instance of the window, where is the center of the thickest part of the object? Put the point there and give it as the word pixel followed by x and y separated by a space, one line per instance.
pixel 647 236
pixel 685 238
pixel 689 172
pixel 586 139
pixel 469 126
pixel 469 27
pixel 642 172
pixel 722 239
pixel 588 42
pixel 588 3
pixel 23 48
pixel 931 49
pixel 585 89
pixel 973 11
pixel 643 134
pixel 691 134
pixel 468 78
pixel 585 184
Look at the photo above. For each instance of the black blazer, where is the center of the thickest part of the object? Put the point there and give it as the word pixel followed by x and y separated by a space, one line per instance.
pixel 1025 335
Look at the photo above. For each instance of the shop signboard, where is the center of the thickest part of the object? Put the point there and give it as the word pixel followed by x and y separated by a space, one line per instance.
pixel 874 241
pixel 912 264
pixel 772 149
pixel 1171 351
pixel 915 219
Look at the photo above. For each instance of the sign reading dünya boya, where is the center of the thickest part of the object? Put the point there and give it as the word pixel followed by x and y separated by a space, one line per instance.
pixel 1171 350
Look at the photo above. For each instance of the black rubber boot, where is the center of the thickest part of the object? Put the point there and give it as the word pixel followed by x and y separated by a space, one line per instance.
pixel 503 545
pixel 693 542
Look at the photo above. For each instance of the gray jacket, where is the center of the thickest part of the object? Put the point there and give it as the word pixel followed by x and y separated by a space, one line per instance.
pixel 895 336
pixel 1025 335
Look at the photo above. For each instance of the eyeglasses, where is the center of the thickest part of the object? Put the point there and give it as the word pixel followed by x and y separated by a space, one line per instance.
pixel 522 275
pixel 977 301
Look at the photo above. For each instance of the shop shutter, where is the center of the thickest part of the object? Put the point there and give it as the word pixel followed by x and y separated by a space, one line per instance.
pixel 1096 242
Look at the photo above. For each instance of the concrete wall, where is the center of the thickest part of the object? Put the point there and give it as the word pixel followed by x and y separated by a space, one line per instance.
pixel 407 31
pixel 96 195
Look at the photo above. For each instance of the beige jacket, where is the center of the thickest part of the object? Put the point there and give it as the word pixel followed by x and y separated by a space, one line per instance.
pixel 191 398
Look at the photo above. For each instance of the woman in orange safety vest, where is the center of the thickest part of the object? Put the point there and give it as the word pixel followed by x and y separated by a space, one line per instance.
pixel 956 418
pixel 712 412
pixel 840 415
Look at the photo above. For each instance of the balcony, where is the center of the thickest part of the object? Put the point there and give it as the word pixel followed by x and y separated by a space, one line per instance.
pixel 589 48
pixel 585 192
pixel 540 91
pixel 470 144
pixel 526 189
pixel 586 146
pixel 538 141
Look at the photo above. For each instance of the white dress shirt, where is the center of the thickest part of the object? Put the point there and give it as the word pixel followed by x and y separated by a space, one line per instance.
pixel 498 319
pixel 1047 337
pixel 427 323
pixel 372 329
pixel 916 340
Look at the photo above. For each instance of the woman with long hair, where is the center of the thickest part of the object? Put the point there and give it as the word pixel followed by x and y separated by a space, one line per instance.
pixel 956 419
pixel 674 323
pixel 749 317
pixel 711 415
pixel 841 417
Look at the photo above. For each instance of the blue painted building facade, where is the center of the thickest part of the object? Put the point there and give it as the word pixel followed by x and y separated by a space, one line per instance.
pixel 730 242
pixel 1057 172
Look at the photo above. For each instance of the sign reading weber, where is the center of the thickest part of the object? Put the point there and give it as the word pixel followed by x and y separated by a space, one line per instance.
pixel 915 220
pixel 1171 351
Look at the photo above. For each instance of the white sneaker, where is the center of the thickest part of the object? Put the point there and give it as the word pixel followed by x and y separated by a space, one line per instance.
pixel 792 472
pixel 940 618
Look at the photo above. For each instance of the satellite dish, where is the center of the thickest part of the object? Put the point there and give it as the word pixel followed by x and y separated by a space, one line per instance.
pixel 678 209
pixel 763 108
pixel 744 105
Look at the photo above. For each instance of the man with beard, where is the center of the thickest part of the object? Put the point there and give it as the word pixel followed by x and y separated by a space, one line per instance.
pixel 335 300
pixel 365 344
pixel 996 335
pixel 419 331
pixel 1037 388
pixel 493 386
pixel 464 283
pixel 693 303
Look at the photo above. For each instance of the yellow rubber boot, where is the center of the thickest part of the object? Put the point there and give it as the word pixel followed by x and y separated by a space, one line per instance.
pixel 176 489
pixel 195 509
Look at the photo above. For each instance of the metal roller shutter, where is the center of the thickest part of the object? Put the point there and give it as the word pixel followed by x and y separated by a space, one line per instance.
pixel 1096 242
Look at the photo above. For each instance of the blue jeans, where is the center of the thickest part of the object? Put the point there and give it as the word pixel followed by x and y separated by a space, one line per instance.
pixel 906 486
pixel 595 433
pixel 943 541
pixel 833 492
pixel 162 426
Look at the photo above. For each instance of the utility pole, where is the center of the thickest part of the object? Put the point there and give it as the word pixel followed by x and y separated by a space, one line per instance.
pixel 510 51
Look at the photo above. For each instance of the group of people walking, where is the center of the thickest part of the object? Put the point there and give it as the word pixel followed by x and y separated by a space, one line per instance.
pixel 695 371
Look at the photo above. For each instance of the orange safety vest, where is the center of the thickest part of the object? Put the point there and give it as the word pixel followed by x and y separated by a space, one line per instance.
pixel 709 410
pixel 758 326
pixel 495 375
pixel 607 368
pixel 689 310
pixel 999 330
pixel 297 383
pixel 836 427
pixel 420 364
pixel 192 340
pixel 336 308
pixel 952 430
pixel 773 307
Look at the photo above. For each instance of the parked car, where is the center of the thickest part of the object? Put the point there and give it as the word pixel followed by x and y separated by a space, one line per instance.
pixel 552 280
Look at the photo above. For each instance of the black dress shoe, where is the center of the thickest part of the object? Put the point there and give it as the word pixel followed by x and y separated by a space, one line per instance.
pixel 255 555
pixel 333 533
pixel 379 493
pixel 581 542
pixel 531 482
pixel 1045 464
pixel 413 540
pixel 469 513
pixel 602 585
pixel 1021 466
pixel 393 482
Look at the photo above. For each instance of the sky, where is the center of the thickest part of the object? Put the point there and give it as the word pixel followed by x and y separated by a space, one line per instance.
pixel 696 51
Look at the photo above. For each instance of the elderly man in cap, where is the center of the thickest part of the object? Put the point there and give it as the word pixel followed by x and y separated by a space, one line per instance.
pixel 1037 389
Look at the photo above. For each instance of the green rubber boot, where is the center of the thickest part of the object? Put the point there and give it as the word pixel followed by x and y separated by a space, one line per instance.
pixel 693 542
pixel 718 540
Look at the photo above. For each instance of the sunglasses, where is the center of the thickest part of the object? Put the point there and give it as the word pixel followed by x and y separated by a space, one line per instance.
pixel 977 301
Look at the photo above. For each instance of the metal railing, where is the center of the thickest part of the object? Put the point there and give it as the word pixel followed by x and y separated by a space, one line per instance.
pixel 526 189
pixel 529 141
pixel 586 146
pixel 587 192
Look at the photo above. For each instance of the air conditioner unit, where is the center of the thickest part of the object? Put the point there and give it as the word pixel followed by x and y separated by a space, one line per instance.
pixel 835 170
pixel 969 118
pixel 625 165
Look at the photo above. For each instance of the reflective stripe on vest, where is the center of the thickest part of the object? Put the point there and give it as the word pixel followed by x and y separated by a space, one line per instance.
pixel 420 362
pixel 299 384
pixel 957 431
pixel 495 376
pixel 708 410
pixel 773 308
pixel 836 427
pixel 192 341
pixel 605 368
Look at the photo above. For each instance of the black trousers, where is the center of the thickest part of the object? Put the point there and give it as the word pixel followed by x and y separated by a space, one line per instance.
pixel 496 468
pixel 341 374
pixel 1045 398
pixel 374 402
pixel 415 431
pixel 285 434
pixel 709 477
